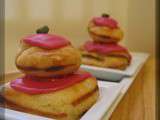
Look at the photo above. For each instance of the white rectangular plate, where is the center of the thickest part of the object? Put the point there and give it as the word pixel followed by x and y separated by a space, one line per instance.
pixel 108 94
pixel 138 59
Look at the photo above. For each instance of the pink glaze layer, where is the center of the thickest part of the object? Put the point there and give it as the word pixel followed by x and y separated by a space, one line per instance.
pixel 105 21
pixel 46 41
pixel 103 48
pixel 35 85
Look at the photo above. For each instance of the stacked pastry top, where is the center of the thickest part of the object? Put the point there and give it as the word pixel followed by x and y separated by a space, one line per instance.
pixel 104 49
pixel 52 85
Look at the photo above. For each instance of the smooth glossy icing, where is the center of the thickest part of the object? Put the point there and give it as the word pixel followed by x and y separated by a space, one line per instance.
pixel 103 48
pixel 46 41
pixel 35 85
pixel 105 21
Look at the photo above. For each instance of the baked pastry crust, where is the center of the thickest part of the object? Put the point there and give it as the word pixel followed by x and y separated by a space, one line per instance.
pixel 43 63
pixel 104 34
pixel 116 60
pixel 68 104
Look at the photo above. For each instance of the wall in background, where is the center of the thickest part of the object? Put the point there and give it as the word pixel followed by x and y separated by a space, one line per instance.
pixel 141 26
pixel 70 18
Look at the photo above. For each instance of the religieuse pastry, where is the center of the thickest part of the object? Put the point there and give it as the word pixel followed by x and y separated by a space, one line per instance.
pixel 104 29
pixel 47 55
pixel 103 50
pixel 52 85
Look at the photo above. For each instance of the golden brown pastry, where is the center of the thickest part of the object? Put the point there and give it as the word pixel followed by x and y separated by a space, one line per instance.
pixel 115 61
pixel 38 60
pixel 67 104
pixel 105 55
pixel 53 85
pixel 104 29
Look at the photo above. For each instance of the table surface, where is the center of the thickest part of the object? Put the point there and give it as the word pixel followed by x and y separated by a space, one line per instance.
pixel 139 101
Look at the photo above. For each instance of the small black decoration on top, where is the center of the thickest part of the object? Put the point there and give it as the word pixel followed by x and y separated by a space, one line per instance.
pixel 105 15
pixel 44 29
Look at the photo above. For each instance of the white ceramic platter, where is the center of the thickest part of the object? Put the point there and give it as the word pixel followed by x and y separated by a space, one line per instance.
pixel 108 94
pixel 138 59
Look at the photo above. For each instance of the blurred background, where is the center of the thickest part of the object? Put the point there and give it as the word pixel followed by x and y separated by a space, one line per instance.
pixel 70 18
